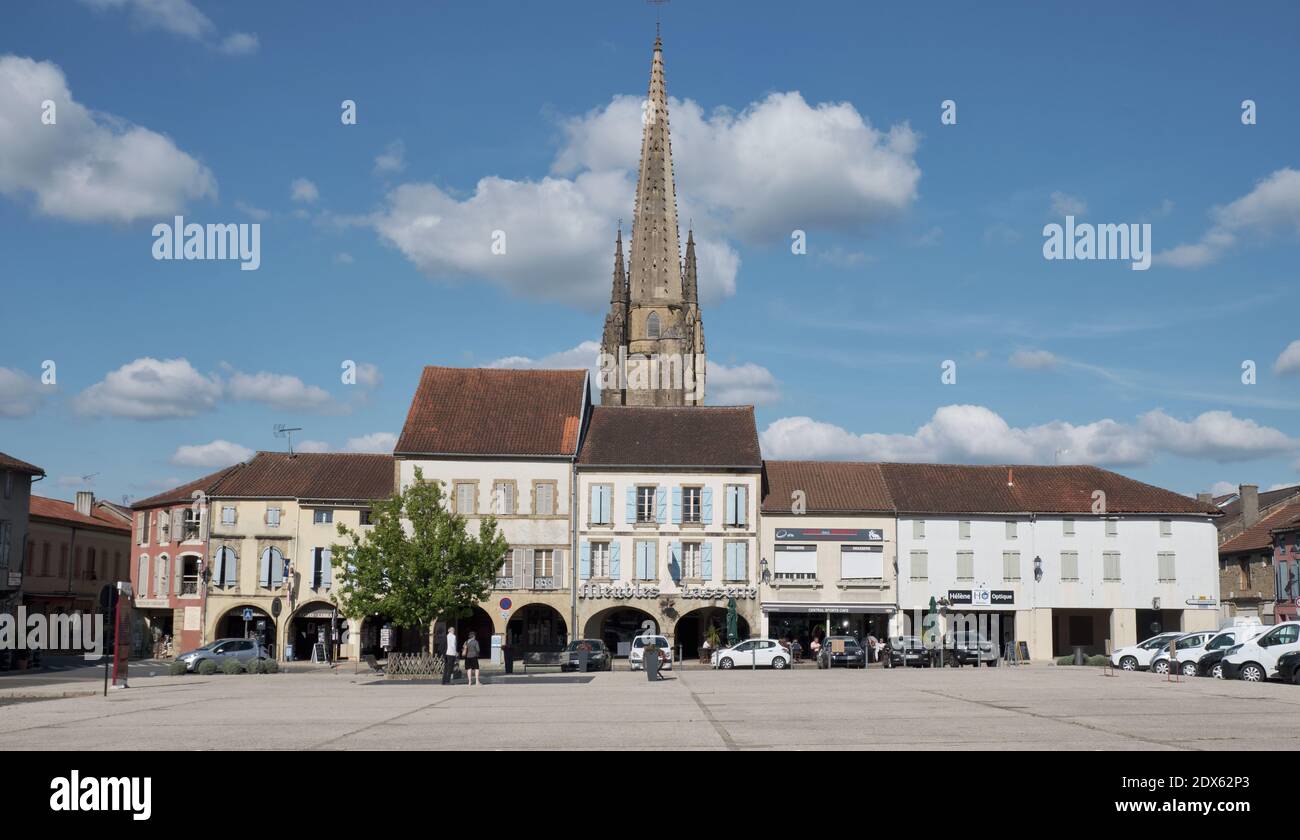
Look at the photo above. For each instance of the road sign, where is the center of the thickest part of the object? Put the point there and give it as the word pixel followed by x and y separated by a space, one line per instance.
pixel 248 614
pixel 505 603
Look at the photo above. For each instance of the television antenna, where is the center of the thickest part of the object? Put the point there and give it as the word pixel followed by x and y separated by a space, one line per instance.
pixel 89 478
pixel 283 431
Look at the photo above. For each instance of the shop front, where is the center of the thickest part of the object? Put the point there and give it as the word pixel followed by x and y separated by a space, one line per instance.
pixel 989 612
pixel 686 615
pixel 802 623
pixel 317 623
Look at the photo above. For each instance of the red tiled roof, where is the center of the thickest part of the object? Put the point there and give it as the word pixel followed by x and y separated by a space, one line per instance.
pixel 1257 536
pixel 185 492
pixel 310 475
pixel 8 462
pixel 828 487
pixel 654 436
pixel 57 510
pixel 961 488
pixel 1267 499
pixel 494 411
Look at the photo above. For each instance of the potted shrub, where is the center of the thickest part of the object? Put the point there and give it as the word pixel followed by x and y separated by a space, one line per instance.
pixel 176 668
pixel 207 668
pixel 231 666
pixel 714 637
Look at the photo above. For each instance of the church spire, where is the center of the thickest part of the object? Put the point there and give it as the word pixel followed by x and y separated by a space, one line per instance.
pixel 619 292
pixel 655 267
pixel 690 293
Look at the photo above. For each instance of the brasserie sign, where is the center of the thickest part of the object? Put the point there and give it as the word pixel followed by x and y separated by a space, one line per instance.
pixel 627 591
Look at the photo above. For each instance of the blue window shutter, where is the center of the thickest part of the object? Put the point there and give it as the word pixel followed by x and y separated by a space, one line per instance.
pixel 326 567
pixel 729 505
pixel 742 505
pixel 593 504
pixel 706 505
pixel 640 548
pixel 613 560
pixel 677 505
pixel 675 561
pixel 603 504
pixel 729 564
pixel 631 505
pixel 584 560
pixel 229 570
pixel 661 504
pixel 706 560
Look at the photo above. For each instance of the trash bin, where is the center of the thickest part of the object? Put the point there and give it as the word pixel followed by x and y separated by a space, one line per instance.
pixel 1080 658
pixel 583 657
pixel 650 659
pixel 506 660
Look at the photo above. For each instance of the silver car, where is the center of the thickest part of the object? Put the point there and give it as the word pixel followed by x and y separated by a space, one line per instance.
pixel 240 650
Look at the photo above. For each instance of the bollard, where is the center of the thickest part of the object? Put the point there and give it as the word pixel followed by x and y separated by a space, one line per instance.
pixel 1079 657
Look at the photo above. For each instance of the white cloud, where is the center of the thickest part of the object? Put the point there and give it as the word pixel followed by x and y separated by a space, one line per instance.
pixel 1288 362
pixel 218 453
pixel 585 355
pixel 392 159
pixel 304 191
pixel 1064 204
pixel 1034 359
pixel 180 17
pixel 378 442
pixel 311 446
pixel 1223 488
pixel 88 166
pixel 744 384
pixel 150 389
pixel 257 214
pixel 20 394
pixel 279 391
pixel 976 434
pixel 1272 206
pixel 239 43
pixel 344 258
pixel 756 174
pixel 368 376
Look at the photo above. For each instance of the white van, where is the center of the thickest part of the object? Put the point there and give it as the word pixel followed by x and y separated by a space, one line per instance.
pixel 1138 657
pixel 1256 660
pixel 1189 649
pixel 636 656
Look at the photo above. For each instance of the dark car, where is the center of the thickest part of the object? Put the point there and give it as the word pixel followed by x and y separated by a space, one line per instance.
pixel 971 649
pixel 906 650
pixel 854 655
pixel 598 658
pixel 1288 667
pixel 1211 664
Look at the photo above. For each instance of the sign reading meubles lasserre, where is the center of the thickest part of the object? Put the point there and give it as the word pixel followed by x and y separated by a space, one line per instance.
pixel 705 593
pixel 835 534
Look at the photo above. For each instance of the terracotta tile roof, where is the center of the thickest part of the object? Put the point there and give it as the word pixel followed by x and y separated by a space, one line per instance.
pixel 310 475
pixel 696 436
pixel 1267 499
pixel 828 487
pixel 185 492
pixel 57 510
pixel 495 411
pixel 960 488
pixel 8 462
pixel 1257 536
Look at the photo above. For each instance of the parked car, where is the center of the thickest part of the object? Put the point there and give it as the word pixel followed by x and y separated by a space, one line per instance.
pixel 765 653
pixel 598 658
pixel 1257 660
pixel 1138 657
pixel 1188 649
pixel 1209 659
pixel 971 648
pixel 1288 667
pixel 906 650
pixel 240 650
pixel 637 654
pixel 854 655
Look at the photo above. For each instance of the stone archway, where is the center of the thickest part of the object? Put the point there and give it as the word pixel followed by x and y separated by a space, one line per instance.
pixel 618 625
pixel 261 626
pixel 534 628
pixel 311 623
pixel 692 629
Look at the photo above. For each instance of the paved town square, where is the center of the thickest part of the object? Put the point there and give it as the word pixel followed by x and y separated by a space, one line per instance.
pixel 1027 708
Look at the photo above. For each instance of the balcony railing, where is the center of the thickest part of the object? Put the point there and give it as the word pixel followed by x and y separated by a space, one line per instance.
pixel 505 583
pixel 546 583
pixel 189 587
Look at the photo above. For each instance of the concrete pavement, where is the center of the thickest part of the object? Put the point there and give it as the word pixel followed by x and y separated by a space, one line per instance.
pixel 1040 708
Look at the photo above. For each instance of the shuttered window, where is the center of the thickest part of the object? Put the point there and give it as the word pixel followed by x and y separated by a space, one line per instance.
pixel 1165 564
pixel 1069 565
pixel 1110 565
pixel 965 565
pixel 1011 565
pixel 920 565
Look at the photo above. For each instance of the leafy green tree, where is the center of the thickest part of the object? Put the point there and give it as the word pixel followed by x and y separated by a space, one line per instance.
pixel 417 562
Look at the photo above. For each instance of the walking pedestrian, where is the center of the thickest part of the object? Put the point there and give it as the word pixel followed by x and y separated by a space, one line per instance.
pixel 449 656
pixel 471 660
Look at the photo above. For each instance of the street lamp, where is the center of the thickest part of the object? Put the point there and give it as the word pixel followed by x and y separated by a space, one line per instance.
pixel 1038 569
pixel 763 575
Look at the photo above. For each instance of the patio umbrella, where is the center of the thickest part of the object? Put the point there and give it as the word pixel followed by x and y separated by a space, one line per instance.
pixel 732 632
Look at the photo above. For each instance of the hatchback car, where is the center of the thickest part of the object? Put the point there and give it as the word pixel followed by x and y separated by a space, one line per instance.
pixel 1188 649
pixel 636 657
pixel 970 648
pixel 598 658
pixel 240 650
pixel 763 653
pixel 1138 657
pixel 906 650
pixel 853 654
pixel 1288 667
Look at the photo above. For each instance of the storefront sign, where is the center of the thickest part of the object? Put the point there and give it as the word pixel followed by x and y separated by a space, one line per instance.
pixel 982 597
pixel 1202 601
pixel 626 591
pixel 832 534
pixel 151 603
pixel 713 593
pixel 590 590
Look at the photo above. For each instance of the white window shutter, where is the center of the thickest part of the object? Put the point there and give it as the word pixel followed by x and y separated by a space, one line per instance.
pixel 326 567
pixel 530 555
pixel 557 567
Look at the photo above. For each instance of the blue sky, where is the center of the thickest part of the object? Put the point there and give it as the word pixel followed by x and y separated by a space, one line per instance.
pixel 924 240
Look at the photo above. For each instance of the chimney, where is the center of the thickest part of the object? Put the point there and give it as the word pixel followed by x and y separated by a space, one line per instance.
pixel 85 502
pixel 1249 504
pixel 1205 498
pixel 1010 479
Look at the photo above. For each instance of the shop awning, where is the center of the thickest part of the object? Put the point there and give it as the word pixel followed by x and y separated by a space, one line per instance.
pixel 836 608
